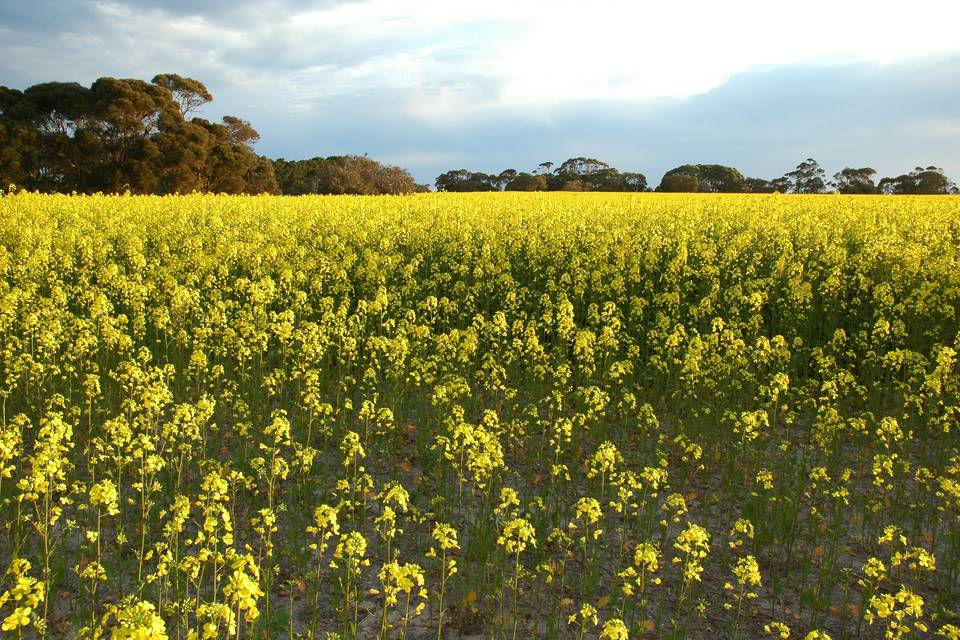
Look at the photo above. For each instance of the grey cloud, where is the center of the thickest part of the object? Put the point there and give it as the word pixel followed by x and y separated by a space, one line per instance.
pixel 38 18
pixel 891 117
pixel 238 44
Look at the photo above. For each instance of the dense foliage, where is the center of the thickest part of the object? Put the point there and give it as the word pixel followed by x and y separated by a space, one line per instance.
pixel 339 175
pixel 125 135
pixel 575 174
pixel 562 415
pixel 589 174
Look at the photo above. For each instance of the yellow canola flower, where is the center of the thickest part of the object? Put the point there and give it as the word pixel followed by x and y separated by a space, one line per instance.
pixel 588 510
pixel 19 618
pixel 896 610
pixel 446 536
pixel 351 548
pixel 351 448
pixel 395 494
pixel 136 620
pixel 325 519
pixel 604 461
pixel 694 543
pixel 104 494
pixel 614 629
pixel 509 501
pixel 777 629
pixel 517 534
pixel 747 572
pixel 243 588
pixel 397 578
pixel 587 613
pixel 647 557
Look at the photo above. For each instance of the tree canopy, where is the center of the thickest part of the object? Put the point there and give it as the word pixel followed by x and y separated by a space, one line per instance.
pixel 849 180
pixel 358 175
pixel 126 135
pixel 708 178
pixel 575 174
pixel 129 135
pixel 921 181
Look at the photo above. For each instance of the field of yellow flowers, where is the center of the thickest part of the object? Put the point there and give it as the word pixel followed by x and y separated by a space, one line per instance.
pixel 479 416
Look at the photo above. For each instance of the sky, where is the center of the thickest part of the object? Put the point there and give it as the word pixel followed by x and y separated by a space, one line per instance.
pixel 433 85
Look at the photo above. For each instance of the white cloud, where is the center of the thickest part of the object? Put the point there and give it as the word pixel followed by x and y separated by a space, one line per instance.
pixel 435 84
pixel 455 58
pixel 625 49
pixel 550 53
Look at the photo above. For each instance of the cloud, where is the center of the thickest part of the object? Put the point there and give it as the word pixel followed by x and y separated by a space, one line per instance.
pixel 893 117
pixel 432 84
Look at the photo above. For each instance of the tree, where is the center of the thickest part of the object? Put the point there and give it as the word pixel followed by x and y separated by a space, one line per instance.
pixel 633 181
pixel 574 168
pixel 184 147
pixel 17 143
pixel 528 182
pixel 260 177
pixel 781 184
pixel 574 185
pixel 299 177
pixel 127 114
pixel 856 181
pixel 713 178
pixel 187 93
pixel 358 175
pixel 759 185
pixel 590 174
pixel 808 177
pixel 576 174
pixel 227 163
pixel 608 179
pixel 60 115
pixel 543 168
pixel 920 181
pixel 679 183
pixel 240 131
pixel 464 180
pixel 505 177
pixel 125 135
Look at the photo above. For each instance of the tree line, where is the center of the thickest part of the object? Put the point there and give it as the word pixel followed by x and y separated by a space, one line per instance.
pixel 122 135
pixel 358 175
pixel 576 174
pixel 590 174
pixel 129 135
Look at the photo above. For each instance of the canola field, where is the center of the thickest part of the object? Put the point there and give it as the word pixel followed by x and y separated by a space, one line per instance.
pixel 479 416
